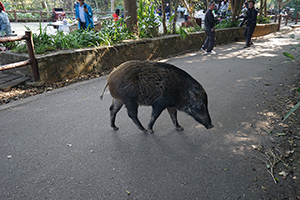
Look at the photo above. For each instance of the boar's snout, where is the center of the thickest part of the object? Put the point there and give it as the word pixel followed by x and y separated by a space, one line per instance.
pixel 209 126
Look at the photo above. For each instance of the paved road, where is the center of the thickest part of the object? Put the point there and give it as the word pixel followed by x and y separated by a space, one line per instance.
pixel 59 145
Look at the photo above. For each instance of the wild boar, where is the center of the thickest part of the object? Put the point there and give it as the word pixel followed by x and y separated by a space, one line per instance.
pixel 156 84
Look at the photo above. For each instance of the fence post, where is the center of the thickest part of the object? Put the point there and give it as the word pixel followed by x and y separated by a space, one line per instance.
pixel 41 13
pixel 286 19
pixel 279 22
pixel 275 18
pixel 15 14
pixel 296 21
pixel 34 66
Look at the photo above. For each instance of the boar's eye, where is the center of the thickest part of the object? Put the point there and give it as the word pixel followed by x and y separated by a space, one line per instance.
pixel 201 107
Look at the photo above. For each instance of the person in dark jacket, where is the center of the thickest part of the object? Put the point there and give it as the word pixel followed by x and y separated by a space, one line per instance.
pixel 209 27
pixel 250 20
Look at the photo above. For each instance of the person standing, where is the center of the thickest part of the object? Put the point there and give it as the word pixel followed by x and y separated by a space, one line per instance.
pixel 84 15
pixel 167 10
pixel 116 15
pixel 4 23
pixel 224 7
pixel 1 4
pixel 250 20
pixel 209 27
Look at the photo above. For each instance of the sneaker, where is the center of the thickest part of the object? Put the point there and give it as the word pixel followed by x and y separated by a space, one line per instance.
pixel 247 46
pixel 202 49
pixel 209 52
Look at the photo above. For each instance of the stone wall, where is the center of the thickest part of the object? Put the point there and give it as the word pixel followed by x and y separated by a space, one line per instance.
pixel 73 63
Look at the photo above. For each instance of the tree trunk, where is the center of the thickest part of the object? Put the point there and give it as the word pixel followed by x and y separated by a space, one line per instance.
pixel 163 7
pixel 265 10
pixel 175 17
pixel 236 6
pixel 96 3
pixel 112 5
pixel 44 5
pixel 131 10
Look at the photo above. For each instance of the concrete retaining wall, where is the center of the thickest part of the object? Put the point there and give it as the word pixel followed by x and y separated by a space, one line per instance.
pixel 73 63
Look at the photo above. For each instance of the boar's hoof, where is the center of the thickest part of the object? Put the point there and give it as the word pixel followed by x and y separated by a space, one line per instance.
pixel 115 128
pixel 150 131
pixel 179 128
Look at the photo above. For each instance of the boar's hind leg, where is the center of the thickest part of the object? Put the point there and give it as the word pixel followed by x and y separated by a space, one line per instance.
pixel 173 114
pixel 156 111
pixel 132 109
pixel 114 108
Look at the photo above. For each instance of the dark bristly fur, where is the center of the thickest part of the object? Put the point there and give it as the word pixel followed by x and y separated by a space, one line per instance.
pixel 160 85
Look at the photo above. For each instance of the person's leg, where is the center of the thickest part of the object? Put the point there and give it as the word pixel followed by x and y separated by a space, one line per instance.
pixel 246 35
pixel 206 42
pixel 211 42
pixel 250 33
pixel 83 25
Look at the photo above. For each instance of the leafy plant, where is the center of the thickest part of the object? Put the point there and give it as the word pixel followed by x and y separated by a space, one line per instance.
pixel 183 33
pixel 263 20
pixel 148 22
pixel 226 23
pixel 111 33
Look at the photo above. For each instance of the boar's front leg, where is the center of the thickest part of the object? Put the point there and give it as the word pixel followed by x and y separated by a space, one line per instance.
pixel 173 114
pixel 114 108
pixel 132 110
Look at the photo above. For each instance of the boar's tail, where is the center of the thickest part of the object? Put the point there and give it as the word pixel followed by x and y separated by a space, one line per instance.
pixel 101 96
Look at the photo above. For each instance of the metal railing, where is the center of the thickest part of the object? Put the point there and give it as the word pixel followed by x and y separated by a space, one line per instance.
pixel 31 61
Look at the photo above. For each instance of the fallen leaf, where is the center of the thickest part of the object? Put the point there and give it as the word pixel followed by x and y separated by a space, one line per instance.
pixel 128 192
pixel 283 173
pixel 226 169
pixel 281 134
pixel 263 188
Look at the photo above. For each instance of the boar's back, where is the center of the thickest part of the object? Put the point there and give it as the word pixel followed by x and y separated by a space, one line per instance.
pixel 146 81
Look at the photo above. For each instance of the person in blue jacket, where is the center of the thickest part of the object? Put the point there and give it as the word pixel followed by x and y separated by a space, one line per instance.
pixel 84 15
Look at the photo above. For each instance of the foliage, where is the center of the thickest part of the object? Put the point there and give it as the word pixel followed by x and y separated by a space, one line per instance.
pixel 148 22
pixel 292 58
pixel 183 33
pixel 112 33
pixel 226 23
pixel 263 20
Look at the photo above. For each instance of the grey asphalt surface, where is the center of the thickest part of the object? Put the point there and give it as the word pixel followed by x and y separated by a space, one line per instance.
pixel 59 145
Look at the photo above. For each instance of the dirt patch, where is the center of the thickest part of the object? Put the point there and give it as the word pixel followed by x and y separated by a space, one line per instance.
pixel 281 156
pixel 27 89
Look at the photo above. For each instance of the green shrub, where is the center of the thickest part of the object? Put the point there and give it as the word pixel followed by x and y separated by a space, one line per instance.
pixel 148 22
pixel 227 23
pixel 111 33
